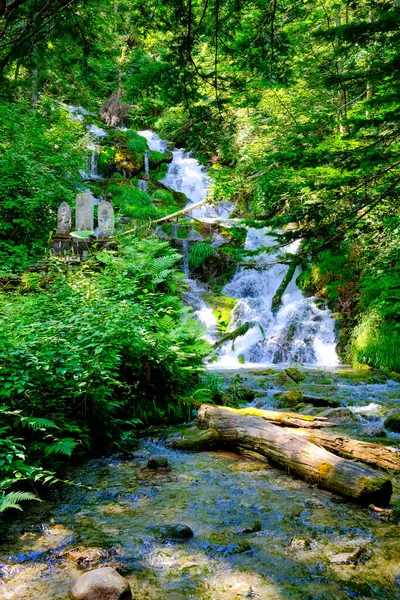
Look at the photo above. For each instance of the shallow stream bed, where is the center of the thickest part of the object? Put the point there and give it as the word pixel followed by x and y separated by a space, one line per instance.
pixel 258 532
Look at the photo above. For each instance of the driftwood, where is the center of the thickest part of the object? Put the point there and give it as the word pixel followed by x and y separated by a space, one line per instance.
pixel 372 454
pixel 283 448
pixel 284 418
pixel 184 211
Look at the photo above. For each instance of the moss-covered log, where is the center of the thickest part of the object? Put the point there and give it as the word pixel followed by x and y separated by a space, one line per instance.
pixel 232 335
pixel 277 299
pixel 283 448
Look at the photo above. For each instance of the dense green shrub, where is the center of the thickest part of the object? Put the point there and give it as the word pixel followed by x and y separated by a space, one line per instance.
pixel 98 349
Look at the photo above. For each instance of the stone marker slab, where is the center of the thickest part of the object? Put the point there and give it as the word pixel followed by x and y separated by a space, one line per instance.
pixel 106 219
pixel 84 212
pixel 64 219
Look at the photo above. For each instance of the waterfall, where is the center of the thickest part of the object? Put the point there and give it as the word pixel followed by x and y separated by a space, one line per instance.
pixel 95 133
pixel 146 162
pixel 299 331
pixel 185 253
pixel 142 185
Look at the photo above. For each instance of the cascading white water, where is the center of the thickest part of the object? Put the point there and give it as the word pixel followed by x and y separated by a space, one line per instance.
pixel 298 332
pixel 95 133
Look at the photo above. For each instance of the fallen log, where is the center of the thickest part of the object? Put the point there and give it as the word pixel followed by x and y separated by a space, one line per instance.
pixel 284 418
pixel 184 211
pixel 286 449
pixel 372 454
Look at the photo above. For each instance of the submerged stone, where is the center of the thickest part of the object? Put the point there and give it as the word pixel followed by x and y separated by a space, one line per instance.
pixel 157 461
pixel 104 583
pixel 172 533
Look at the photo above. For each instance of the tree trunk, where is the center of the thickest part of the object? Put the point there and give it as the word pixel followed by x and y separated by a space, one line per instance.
pixel 372 454
pixel 184 211
pixel 284 418
pixel 286 449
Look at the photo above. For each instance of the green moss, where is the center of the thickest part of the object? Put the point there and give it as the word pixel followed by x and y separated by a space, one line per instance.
pixel 222 307
pixel 232 335
pixel 290 398
pixel 392 423
pixel 241 359
pixel 277 299
pixel 294 374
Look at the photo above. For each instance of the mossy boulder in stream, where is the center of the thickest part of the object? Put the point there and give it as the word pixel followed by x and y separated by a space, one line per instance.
pixel 222 307
pixel 104 583
pixel 294 374
pixel 290 398
pixel 392 423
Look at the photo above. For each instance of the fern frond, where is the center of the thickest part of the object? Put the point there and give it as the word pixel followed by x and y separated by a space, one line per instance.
pixel 37 423
pixel 65 446
pixel 12 499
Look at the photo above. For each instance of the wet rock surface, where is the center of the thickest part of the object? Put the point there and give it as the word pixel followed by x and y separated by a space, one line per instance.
pixel 104 583
pixel 172 533
pixel 259 532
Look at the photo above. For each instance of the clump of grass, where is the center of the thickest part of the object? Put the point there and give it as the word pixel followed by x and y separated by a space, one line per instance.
pixel 199 253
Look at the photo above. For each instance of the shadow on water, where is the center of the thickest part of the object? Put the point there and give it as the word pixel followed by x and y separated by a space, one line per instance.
pixel 258 533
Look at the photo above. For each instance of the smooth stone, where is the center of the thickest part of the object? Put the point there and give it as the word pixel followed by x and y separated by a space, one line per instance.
pixel 157 461
pixel 341 416
pixel 173 533
pixel 358 556
pixel 104 583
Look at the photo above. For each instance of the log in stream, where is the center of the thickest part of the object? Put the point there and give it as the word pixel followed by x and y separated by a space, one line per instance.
pixel 284 448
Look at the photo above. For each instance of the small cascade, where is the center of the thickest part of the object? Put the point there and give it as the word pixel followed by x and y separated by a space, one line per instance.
pixel 146 163
pixel 142 185
pixel 299 332
pixel 95 133
pixel 185 253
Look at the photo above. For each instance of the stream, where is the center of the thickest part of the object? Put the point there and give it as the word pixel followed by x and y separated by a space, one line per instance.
pixel 258 532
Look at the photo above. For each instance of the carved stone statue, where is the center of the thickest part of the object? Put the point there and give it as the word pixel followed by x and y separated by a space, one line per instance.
pixel 106 219
pixel 64 219
pixel 84 212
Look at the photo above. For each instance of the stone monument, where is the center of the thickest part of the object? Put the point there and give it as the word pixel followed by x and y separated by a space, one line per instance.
pixel 106 219
pixel 84 212
pixel 64 219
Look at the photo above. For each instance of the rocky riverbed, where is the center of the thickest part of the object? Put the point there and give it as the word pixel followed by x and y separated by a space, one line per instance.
pixel 257 531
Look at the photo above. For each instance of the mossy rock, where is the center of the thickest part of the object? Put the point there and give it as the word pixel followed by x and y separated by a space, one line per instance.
pixel 179 197
pixel 294 374
pixel 392 423
pixel 131 163
pixel 291 398
pixel 158 158
pixel 222 307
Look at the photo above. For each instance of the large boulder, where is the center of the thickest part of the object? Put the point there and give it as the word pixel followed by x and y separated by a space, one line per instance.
pixel 104 583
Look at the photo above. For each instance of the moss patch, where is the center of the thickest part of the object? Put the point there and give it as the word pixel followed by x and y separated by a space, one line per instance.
pixel 222 307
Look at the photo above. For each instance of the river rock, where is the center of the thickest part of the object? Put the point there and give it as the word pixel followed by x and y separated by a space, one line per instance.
pixel 172 533
pixel 104 583
pixel 290 398
pixel 354 557
pixel 341 416
pixel 392 422
pixel 157 461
